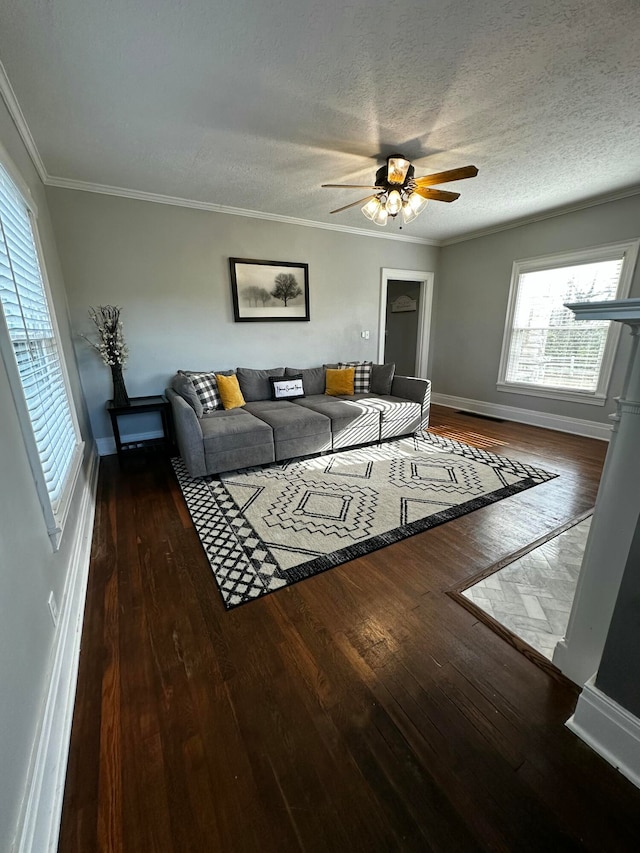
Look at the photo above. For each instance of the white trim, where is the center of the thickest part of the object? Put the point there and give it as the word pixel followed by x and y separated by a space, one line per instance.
pixel 39 824
pixel 64 504
pixel 14 173
pixel 595 201
pixel 426 281
pixel 157 198
pixel 590 254
pixel 552 393
pixel 628 250
pixel 106 446
pixel 609 729
pixel 576 426
pixel 15 111
pixel 62 508
pixel 424 327
pixel 54 518
pixel 54 521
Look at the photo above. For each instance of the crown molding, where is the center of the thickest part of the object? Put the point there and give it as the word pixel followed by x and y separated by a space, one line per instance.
pixel 9 97
pixel 157 198
pixel 15 111
pixel 539 217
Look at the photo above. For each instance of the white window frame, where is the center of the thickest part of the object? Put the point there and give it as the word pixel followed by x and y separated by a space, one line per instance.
pixel 628 250
pixel 55 521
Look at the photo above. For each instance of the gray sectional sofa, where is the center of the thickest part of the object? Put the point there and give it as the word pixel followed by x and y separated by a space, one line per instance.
pixel 264 430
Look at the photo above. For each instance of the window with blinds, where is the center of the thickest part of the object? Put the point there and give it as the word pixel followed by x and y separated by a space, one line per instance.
pixel 29 339
pixel 548 352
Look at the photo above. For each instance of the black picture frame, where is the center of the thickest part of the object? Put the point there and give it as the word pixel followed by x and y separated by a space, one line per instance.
pixel 254 285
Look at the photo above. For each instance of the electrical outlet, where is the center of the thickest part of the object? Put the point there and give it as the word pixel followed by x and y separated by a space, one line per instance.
pixel 53 608
pixel 366 334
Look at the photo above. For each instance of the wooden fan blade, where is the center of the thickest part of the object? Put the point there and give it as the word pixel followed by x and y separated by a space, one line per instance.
pixel 353 204
pixel 450 175
pixel 436 195
pixel 352 186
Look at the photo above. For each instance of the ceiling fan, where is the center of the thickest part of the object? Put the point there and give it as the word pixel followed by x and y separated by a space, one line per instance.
pixel 397 190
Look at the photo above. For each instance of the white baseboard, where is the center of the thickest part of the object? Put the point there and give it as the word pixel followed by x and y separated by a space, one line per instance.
pixel 576 426
pixel 609 729
pixel 107 445
pixel 39 826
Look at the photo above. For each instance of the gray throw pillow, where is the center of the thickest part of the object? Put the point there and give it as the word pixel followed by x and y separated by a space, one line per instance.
pixel 313 378
pixel 381 378
pixel 182 385
pixel 254 384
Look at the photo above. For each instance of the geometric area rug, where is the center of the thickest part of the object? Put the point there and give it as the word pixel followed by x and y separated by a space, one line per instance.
pixel 264 528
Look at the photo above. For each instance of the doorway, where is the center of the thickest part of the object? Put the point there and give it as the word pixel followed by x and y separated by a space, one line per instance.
pixel 401 331
pixel 405 320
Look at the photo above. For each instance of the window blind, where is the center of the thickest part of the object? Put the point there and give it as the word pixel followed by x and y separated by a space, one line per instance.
pixel 548 346
pixel 32 336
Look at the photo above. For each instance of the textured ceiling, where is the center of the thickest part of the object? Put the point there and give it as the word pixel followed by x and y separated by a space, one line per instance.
pixel 253 104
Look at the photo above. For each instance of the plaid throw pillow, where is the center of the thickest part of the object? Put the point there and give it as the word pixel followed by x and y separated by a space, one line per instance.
pixel 207 391
pixel 362 375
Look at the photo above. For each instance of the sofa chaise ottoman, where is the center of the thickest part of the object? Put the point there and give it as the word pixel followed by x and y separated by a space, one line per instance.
pixel 212 439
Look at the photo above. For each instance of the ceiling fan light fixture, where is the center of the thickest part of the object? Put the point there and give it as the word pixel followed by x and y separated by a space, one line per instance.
pixel 408 213
pixel 398 190
pixel 394 203
pixel 417 203
pixel 397 168
pixel 381 216
pixel 371 207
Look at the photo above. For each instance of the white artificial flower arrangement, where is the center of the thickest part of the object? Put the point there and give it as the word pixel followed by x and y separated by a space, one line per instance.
pixel 111 346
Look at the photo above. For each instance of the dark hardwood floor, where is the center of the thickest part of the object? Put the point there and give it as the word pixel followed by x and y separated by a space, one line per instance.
pixel 360 710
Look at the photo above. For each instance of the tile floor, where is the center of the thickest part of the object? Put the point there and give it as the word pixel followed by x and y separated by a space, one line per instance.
pixel 532 596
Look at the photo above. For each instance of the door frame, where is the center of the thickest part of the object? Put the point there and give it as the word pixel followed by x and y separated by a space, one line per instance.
pixel 426 281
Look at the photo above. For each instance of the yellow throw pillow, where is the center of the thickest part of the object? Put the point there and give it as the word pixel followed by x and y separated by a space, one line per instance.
pixel 230 392
pixel 339 382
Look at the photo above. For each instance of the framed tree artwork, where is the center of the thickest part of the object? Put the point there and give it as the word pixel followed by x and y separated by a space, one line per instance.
pixel 268 291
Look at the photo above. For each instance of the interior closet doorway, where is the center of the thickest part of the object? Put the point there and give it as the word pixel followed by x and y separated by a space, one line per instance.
pixel 406 298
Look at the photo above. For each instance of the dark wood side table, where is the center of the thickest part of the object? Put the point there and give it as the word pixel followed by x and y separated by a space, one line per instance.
pixel 138 406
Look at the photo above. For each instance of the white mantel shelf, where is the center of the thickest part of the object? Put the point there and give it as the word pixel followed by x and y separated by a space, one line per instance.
pixel 622 310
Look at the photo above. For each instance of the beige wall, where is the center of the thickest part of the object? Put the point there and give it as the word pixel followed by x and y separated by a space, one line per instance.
pixel 29 569
pixel 167 267
pixel 471 303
